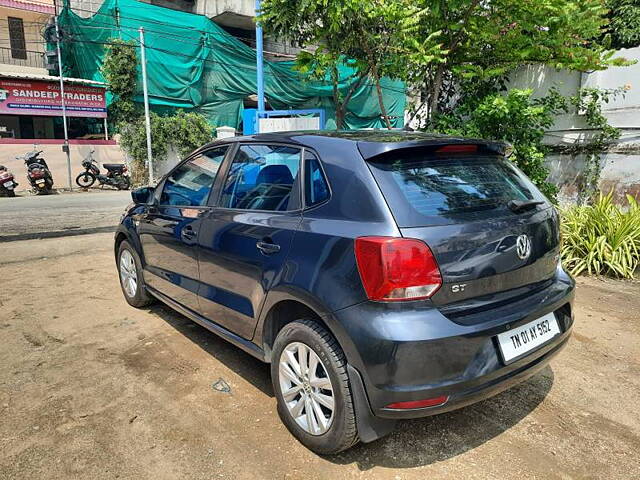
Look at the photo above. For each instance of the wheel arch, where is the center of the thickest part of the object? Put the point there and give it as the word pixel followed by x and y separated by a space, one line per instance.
pixel 283 307
pixel 124 233
pixel 280 314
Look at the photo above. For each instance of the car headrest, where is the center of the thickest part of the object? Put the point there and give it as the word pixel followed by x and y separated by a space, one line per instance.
pixel 275 174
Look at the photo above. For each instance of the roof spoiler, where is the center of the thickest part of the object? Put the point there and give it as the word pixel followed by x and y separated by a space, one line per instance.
pixel 369 150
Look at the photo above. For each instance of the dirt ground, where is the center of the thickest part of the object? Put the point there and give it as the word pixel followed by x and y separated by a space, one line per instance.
pixel 91 388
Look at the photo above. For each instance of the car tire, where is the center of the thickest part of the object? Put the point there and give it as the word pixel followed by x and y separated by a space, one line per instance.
pixel 131 278
pixel 339 431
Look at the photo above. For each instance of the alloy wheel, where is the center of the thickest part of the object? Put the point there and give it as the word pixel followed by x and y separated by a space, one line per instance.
pixel 306 388
pixel 128 275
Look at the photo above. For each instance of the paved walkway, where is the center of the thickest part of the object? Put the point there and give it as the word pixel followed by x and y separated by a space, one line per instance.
pixel 63 214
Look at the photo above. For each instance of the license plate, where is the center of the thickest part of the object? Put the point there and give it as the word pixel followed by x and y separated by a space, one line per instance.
pixel 8 184
pixel 518 341
pixel 39 182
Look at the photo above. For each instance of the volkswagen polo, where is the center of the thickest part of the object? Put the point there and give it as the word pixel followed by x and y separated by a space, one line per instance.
pixel 383 275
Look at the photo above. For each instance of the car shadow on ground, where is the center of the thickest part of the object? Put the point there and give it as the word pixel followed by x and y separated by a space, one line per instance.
pixel 414 443
pixel 251 369
pixel 433 439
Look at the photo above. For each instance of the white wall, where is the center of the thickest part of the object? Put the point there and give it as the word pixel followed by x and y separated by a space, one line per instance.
pixel 621 163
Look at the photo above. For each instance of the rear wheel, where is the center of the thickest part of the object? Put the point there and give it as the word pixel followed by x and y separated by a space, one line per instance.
pixel 309 375
pixel 124 183
pixel 131 279
pixel 85 179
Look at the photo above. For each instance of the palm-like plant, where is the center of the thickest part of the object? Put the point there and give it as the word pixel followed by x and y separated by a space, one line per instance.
pixel 602 239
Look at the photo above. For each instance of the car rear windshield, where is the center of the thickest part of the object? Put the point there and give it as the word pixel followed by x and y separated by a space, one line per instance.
pixel 430 189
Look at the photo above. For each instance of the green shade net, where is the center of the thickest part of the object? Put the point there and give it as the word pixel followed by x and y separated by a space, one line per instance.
pixel 195 65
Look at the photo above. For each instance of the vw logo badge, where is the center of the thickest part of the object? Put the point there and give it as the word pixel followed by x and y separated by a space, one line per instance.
pixel 523 247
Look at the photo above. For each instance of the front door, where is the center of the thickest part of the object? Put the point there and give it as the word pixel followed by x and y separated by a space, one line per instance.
pixel 169 229
pixel 244 241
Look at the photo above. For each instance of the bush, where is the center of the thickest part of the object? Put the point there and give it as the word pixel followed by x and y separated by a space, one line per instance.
pixel 183 131
pixel 602 239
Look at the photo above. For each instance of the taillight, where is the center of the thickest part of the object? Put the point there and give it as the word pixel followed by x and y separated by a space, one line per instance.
pixel 396 269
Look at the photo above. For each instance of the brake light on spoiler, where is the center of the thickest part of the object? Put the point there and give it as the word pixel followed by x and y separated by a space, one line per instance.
pixel 458 149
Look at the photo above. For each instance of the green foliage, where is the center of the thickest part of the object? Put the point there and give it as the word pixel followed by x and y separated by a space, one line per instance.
pixel 589 102
pixel 518 118
pixel 623 30
pixel 119 71
pixel 184 132
pixel 375 38
pixel 602 239
pixel 484 41
pixel 515 118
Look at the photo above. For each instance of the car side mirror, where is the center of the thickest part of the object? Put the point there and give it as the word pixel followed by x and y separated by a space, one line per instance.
pixel 143 195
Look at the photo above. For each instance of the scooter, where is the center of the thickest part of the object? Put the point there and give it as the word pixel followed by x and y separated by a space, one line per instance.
pixel 8 183
pixel 38 172
pixel 117 174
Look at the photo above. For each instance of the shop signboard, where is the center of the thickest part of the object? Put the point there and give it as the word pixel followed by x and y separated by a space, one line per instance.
pixel 35 97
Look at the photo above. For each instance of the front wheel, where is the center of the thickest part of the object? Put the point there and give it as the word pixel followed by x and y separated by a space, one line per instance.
pixel 85 179
pixel 131 279
pixel 309 375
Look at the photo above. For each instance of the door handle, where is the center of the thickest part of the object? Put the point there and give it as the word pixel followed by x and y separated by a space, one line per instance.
pixel 267 248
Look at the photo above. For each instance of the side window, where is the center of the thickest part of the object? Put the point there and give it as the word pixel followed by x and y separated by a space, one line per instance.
pixel 189 184
pixel 263 177
pixel 316 189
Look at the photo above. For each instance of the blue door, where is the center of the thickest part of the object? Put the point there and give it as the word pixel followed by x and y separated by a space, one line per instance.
pixel 169 229
pixel 244 240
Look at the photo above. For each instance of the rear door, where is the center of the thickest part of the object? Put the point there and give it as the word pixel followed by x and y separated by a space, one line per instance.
pixel 245 239
pixel 458 203
pixel 169 229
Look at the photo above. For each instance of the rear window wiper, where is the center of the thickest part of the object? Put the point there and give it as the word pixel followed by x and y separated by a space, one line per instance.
pixel 520 206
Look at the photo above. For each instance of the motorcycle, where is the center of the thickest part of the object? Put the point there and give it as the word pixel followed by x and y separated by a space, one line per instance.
pixel 8 183
pixel 117 174
pixel 38 172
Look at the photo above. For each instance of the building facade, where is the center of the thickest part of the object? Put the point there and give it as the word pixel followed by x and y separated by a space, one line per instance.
pixel 30 99
pixel 236 17
pixel 21 43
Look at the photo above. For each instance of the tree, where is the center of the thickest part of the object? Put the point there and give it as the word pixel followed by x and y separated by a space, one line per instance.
pixel 373 37
pixel 623 30
pixel 181 131
pixel 484 41
pixel 119 71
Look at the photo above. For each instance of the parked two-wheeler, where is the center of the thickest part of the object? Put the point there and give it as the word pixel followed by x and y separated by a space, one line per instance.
pixel 8 183
pixel 117 174
pixel 38 172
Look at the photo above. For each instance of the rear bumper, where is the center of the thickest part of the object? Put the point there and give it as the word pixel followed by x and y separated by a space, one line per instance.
pixel 403 354
pixel 462 395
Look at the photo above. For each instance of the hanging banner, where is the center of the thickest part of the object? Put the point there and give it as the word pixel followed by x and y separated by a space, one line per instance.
pixel 33 97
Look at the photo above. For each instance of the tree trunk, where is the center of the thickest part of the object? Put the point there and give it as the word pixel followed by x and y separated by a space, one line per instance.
pixel 339 106
pixel 435 94
pixel 383 110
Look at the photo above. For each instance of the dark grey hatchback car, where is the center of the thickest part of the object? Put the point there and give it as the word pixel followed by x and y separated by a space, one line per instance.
pixel 383 275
